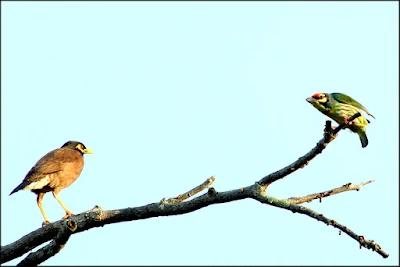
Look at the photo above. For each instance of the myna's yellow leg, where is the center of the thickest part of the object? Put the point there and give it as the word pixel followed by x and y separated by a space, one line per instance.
pixel 39 201
pixel 68 212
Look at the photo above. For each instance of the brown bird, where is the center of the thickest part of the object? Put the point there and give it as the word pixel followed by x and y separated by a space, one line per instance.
pixel 55 171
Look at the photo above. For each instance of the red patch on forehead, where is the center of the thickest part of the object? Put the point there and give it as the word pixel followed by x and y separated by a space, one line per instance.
pixel 316 95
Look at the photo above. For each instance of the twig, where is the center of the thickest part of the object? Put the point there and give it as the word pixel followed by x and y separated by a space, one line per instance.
pixel 329 136
pixel 286 204
pixel 190 193
pixel 311 197
pixel 51 249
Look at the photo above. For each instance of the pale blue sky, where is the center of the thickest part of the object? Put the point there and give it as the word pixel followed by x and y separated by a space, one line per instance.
pixel 168 94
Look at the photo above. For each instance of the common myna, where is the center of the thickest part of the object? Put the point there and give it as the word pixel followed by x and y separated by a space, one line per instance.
pixel 55 171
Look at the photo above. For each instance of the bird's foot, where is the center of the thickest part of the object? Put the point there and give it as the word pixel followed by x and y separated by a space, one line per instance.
pixel 347 122
pixel 45 223
pixel 332 128
pixel 69 214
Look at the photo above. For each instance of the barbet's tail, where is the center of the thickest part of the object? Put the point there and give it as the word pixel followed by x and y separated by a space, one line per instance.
pixel 363 138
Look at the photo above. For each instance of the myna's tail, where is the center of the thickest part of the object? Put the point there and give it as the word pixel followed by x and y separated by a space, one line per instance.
pixel 20 187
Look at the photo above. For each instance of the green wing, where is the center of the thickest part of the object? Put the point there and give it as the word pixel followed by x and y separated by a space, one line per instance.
pixel 345 99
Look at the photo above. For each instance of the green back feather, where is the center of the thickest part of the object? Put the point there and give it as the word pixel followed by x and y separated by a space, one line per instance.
pixel 345 99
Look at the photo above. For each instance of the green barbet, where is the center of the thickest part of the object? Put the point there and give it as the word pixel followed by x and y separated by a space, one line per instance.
pixel 340 107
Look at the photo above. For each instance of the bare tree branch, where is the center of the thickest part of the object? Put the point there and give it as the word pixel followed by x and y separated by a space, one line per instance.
pixel 329 136
pixel 51 249
pixel 97 217
pixel 286 204
pixel 344 188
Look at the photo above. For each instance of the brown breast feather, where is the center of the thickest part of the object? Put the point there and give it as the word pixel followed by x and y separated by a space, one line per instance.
pixel 53 162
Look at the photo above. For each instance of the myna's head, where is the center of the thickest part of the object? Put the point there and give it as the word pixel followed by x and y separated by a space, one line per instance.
pixel 78 146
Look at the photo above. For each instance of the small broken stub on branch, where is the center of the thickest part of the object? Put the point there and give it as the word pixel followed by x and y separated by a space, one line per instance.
pixel 328 127
pixel 211 191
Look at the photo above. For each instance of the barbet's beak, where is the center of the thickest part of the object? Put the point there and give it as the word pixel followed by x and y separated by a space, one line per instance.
pixel 310 100
pixel 87 151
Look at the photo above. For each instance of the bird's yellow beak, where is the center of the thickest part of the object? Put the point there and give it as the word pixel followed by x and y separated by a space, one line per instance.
pixel 88 151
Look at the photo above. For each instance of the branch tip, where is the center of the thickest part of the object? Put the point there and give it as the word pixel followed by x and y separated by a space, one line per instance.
pixel 319 196
pixel 190 193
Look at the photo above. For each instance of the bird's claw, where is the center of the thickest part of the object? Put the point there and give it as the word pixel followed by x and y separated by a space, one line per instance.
pixel 347 122
pixel 45 223
pixel 332 128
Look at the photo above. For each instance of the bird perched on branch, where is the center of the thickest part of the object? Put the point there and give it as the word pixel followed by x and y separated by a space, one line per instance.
pixel 55 171
pixel 340 107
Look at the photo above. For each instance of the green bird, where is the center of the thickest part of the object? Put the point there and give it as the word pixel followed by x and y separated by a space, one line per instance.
pixel 340 107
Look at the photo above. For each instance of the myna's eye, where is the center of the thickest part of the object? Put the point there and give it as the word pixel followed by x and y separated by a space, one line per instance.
pixel 80 147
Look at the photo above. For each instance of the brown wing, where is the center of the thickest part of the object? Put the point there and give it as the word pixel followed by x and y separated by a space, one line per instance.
pixel 52 162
